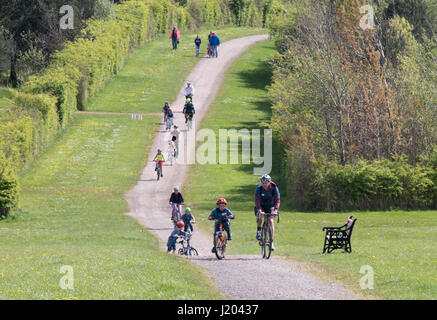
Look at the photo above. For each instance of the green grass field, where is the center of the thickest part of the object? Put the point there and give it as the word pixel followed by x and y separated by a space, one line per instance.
pixel 399 246
pixel 71 214
pixel 72 200
pixel 156 73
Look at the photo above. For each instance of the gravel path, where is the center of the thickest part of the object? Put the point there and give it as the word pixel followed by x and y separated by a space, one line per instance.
pixel 237 276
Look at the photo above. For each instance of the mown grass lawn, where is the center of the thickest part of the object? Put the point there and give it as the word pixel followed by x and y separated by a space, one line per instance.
pixel 72 198
pixel 399 246
pixel 155 73
pixel 72 204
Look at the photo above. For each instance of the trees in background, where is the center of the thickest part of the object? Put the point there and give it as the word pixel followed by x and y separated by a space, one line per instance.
pixel 344 94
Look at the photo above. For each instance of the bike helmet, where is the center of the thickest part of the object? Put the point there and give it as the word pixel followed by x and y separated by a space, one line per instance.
pixel 159 150
pixel 220 201
pixel 176 188
pixel 180 224
pixel 188 100
pixel 188 209
pixel 265 177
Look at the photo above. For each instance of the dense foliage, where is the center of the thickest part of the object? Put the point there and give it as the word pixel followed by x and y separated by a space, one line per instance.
pixel 354 104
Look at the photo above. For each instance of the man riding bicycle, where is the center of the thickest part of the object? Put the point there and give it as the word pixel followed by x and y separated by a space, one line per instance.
pixel 159 160
pixel 267 202
pixel 188 109
pixel 189 91
pixel 221 215
pixel 176 201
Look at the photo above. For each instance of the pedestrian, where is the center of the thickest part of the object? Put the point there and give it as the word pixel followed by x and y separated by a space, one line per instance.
pixel 197 42
pixel 174 36
pixel 214 41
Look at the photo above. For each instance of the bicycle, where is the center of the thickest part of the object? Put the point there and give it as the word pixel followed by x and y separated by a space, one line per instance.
pixel 266 236
pixel 187 250
pixel 158 168
pixel 220 241
pixel 189 121
pixel 168 123
pixel 175 213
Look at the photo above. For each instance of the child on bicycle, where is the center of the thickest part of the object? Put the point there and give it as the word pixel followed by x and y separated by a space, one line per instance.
pixel 221 215
pixel 159 160
pixel 176 201
pixel 176 233
pixel 188 219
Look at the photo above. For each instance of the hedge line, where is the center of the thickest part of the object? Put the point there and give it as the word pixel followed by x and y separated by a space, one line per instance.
pixel 364 185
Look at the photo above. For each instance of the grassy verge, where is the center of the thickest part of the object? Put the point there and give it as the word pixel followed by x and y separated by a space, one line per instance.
pixel 155 73
pixel 72 204
pixel 399 246
pixel 72 197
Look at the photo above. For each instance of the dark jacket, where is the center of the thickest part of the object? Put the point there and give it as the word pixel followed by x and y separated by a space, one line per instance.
pixel 176 198
pixel 267 198
pixel 197 41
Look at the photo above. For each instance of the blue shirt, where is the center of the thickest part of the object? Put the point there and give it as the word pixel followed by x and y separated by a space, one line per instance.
pixel 171 239
pixel 216 214
pixel 187 218
pixel 267 197
pixel 214 40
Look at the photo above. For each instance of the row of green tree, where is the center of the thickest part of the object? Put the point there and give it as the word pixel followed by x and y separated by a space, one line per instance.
pixel 355 103
pixel 55 81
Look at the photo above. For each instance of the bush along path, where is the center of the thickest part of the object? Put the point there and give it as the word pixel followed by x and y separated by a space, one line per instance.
pixel 238 276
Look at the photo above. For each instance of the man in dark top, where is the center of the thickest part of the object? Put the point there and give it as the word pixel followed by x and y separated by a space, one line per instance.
pixel 267 201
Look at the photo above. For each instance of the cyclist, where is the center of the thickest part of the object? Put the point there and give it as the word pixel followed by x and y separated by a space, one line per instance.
pixel 176 233
pixel 159 159
pixel 188 109
pixel 175 138
pixel 189 91
pixel 176 201
pixel 222 215
pixel 165 110
pixel 188 219
pixel 171 150
pixel 267 201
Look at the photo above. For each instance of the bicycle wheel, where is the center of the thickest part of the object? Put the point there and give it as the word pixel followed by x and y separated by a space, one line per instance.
pixel 181 251
pixel 220 248
pixel 158 171
pixel 268 241
pixel 263 240
pixel 193 252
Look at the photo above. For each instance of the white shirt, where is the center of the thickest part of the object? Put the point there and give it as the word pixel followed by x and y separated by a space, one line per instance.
pixel 189 90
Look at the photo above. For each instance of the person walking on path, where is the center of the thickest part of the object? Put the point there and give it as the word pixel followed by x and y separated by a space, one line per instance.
pixel 197 42
pixel 174 36
pixel 214 41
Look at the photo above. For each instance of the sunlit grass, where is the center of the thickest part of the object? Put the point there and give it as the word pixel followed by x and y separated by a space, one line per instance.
pixel 156 72
pixel 400 246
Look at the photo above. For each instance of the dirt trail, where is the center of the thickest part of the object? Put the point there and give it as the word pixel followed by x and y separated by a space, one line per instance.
pixel 148 203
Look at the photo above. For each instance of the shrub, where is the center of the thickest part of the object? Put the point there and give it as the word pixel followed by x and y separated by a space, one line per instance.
pixel 9 186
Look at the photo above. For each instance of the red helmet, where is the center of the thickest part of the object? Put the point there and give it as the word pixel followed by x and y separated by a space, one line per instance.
pixel 221 200
pixel 180 224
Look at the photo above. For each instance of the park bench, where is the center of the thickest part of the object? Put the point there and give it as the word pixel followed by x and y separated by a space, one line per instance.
pixel 339 237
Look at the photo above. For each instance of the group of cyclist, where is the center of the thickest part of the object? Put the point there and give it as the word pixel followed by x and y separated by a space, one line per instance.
pixel 173 143
pixel 267 202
